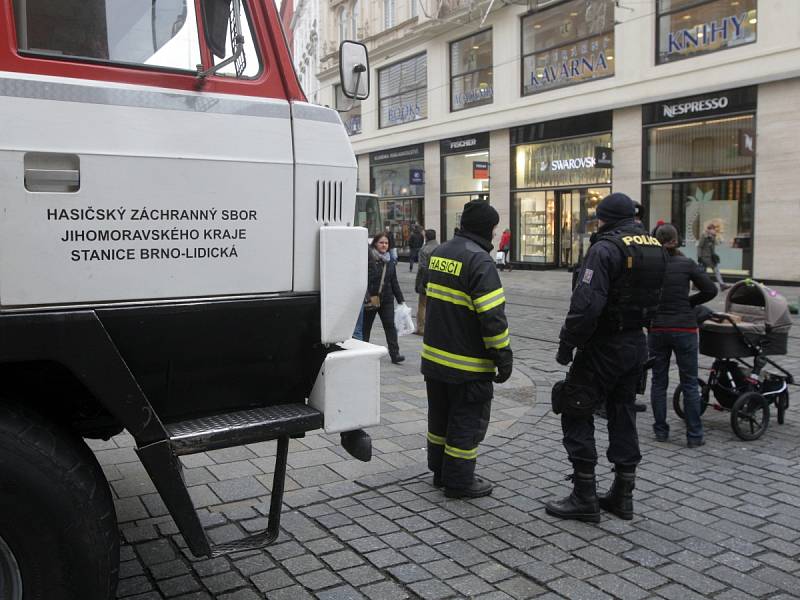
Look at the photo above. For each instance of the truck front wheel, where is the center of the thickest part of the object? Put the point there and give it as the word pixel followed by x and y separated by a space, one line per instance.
pixel 58 530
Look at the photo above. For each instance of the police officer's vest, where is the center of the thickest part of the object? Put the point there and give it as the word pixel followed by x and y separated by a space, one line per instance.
pixel 634 296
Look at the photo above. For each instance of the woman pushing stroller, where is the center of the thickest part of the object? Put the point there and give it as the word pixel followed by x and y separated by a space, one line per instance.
pixel 674 329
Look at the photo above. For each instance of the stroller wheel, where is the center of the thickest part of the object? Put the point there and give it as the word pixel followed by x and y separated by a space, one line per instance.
pixel 750 416
pixel 782 403
pixel 677 399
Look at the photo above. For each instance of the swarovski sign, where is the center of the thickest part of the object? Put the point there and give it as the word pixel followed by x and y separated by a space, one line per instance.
pixel 697 106
pixel 568 164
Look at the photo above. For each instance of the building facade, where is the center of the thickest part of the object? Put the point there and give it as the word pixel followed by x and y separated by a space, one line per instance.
pixel 689 106
pixel 304 42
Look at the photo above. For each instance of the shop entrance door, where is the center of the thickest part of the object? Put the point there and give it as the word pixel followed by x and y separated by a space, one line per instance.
pixel 577 221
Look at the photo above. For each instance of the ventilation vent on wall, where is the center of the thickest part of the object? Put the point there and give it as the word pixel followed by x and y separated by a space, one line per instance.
pixel 329 201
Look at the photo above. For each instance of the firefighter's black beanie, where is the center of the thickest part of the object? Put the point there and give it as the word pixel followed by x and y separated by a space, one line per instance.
pixel 479 218
pixel 616 207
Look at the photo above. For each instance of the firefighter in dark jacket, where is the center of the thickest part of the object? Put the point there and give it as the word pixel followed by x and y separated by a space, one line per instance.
pixel 617 291
pixel 466 341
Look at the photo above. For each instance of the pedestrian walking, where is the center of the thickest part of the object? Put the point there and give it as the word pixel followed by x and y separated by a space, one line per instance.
pixel 617 292
pixel 415 242
pixel 674 329
pixel 422 278
pixel 505 247
pixel 707 253
pixel 382 289
pixel 466 340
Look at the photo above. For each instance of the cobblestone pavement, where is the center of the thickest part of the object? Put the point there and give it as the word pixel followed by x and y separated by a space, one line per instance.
pixel 722 521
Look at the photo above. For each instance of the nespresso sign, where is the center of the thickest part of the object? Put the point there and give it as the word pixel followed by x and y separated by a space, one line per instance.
pixel 701 106
pixel 465 143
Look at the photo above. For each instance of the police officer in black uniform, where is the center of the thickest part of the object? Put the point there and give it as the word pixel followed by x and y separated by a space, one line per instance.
pixel 466 340
pixel 617 291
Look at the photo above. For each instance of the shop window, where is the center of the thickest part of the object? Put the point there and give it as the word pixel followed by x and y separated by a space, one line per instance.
pixel 561 162
pixel 689 28
pixel 692 205
pixel 566 44
pixel 471 73
pixel 403 91
pixel 711 148
pixel 349 111
pixel 465 177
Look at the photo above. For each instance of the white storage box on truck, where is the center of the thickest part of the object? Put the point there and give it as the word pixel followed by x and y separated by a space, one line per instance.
pixel 177 259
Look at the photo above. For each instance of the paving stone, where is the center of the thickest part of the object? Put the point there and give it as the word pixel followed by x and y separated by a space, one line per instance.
pixel 253 564
pixel 133 585
pixel 469 585
pixel 224 582
pixel 362 575
pixel 385 558
pixel 178 585
pixel 431 589
pixel 317 580
pixel 344 592
pixel 385 589
pixel 301 564
pixel 618 587
pixel 575 589
pixel 273 579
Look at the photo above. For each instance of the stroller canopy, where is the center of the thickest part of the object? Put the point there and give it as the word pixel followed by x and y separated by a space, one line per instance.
pixel 753 298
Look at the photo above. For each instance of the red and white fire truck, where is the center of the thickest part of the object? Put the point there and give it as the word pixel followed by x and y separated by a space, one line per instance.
pixel 177 260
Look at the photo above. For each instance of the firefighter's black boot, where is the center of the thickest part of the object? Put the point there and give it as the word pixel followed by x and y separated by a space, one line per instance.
pixel 619 499
pixel 581 504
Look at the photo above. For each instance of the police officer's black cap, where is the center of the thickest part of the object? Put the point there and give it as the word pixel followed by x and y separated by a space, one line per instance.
pixel 480 218
pixel 616 207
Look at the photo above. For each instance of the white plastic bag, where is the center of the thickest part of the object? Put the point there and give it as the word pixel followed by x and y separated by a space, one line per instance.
pixel 403 321
pixel 500 258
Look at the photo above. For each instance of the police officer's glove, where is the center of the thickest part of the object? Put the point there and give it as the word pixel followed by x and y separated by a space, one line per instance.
pixel 564 354
pixel 503 373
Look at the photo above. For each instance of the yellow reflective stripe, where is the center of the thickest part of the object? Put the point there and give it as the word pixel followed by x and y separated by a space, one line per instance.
pixel 498 337
pixel 450 299
pixel 497 341
pixel 436 439
pixel 489 296
pixel 461 357
pixel 490 300
pixel 453 364
pixel 441 292
pixel 459 453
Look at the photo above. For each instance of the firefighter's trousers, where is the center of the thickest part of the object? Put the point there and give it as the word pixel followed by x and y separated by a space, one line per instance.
pixel 612 366
pixel 458 417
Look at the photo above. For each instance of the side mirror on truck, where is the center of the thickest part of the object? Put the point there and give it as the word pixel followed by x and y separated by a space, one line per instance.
pixel 217 17
pixel 354 70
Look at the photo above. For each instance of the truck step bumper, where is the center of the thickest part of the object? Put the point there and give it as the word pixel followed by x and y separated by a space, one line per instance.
pixel 161 461
pixel 242 427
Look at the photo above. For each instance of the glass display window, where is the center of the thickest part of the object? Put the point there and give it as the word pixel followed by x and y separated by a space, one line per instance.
pixel 688 28
pixel 349 111
pixel 566 44
pixel 535 236
pixel 710 148
pixel 692 205
pixel 395 179
pixel 471 71
pixel 403 91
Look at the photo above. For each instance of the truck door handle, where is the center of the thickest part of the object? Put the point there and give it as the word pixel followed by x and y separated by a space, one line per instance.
pixel 46 172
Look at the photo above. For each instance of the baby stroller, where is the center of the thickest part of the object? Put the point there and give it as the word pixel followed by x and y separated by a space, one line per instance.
pixel 755 325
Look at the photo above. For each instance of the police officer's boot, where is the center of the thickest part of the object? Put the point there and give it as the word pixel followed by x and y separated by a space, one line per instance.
pixel 581 504
pixel 619 499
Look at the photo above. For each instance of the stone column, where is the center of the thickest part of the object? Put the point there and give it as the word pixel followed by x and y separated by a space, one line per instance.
pixel 626 175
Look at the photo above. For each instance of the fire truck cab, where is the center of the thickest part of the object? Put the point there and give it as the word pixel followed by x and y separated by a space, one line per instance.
pixel 177 259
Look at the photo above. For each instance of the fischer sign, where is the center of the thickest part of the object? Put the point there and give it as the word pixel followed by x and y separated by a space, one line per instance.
pixel 675 110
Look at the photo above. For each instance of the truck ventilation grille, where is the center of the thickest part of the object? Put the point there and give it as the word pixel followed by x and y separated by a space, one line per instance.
pixel 329 201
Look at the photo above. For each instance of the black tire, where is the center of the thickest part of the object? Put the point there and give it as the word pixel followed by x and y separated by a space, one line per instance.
pixel 782 403
pixel 750 416
pixel 56 512
pixel 677 399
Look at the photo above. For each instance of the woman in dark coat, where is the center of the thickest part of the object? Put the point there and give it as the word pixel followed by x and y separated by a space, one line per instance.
pixel 674 329
pixel 379 266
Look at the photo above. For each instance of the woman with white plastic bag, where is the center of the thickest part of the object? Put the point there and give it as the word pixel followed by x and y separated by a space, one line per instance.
pixel 382 289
